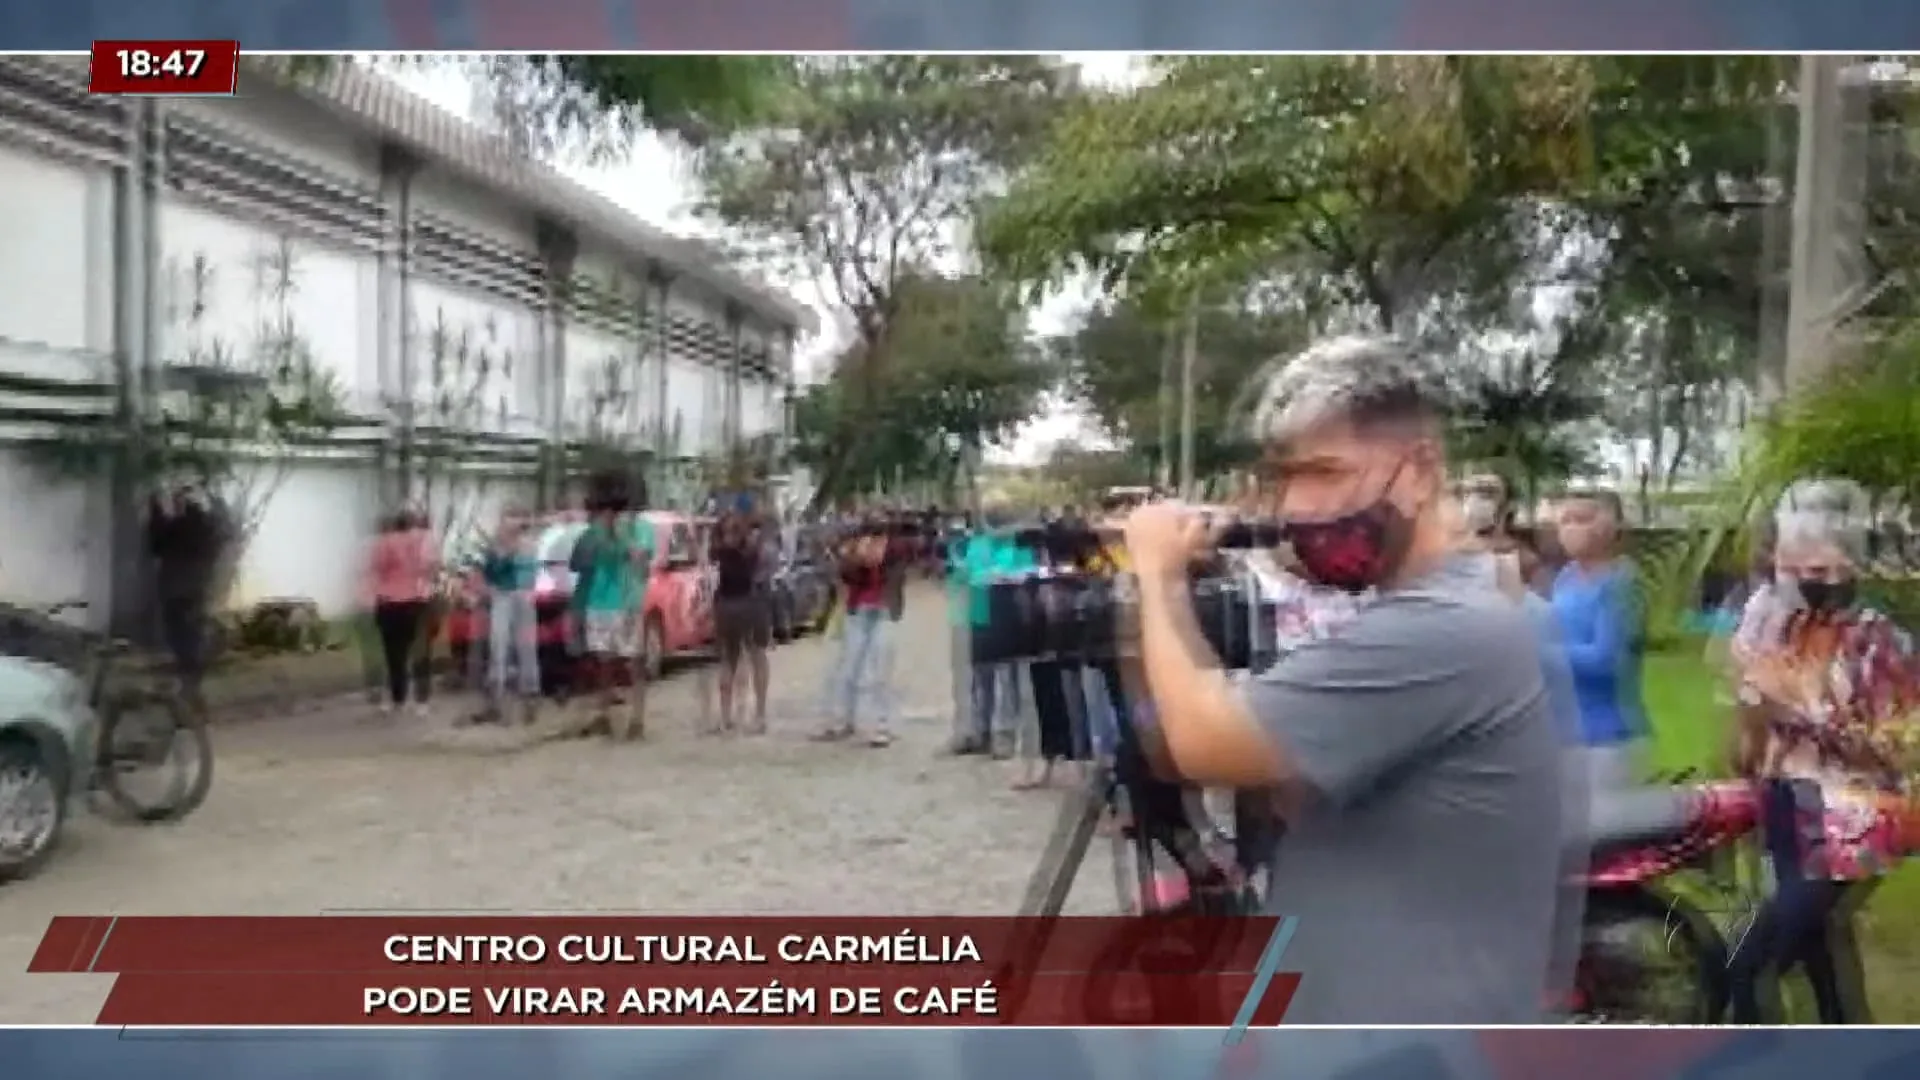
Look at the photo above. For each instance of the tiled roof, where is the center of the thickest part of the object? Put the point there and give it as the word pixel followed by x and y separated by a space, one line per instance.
pixel 383 105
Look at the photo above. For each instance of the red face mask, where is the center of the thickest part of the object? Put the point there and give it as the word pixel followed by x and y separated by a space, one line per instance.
pixel 1354 551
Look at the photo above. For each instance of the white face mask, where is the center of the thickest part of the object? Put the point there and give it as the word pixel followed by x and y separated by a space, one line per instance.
pixel 1482 512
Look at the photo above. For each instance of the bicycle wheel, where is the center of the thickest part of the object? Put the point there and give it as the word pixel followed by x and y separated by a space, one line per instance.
pixel 1646 958
pixel 155 759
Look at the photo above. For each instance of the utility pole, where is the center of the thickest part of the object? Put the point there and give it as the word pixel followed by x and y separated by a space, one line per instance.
pixel 1189 359
pixel 1168 353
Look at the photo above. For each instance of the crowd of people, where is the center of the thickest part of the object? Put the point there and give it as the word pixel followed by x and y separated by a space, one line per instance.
pixel 870 557
pixel 1436 671
pixel 1455 700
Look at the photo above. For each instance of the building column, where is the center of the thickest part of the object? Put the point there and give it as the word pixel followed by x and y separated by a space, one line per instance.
pixel 558 250
pixel 731 428
pixel 137 184
pixel 787 399
pixel 394 354
pixel 665 447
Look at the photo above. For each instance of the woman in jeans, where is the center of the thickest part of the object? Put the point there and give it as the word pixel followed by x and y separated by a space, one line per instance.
pixel 1826 685
pixel 860 673
pixel 511 568
pixel 401 572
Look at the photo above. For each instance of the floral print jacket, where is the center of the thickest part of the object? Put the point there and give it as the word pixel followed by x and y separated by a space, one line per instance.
pixel 1842 699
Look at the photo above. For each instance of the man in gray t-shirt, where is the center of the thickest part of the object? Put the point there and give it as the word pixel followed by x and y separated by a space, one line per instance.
pixel 1421 874
pixel 1414 750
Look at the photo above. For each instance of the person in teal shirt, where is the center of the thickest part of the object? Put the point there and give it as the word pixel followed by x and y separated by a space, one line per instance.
pixel 992 700
pixel 510 570
pixel 611 557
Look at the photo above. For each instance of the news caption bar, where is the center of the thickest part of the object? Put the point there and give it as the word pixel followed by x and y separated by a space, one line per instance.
pixel 606 970
pixel 182 68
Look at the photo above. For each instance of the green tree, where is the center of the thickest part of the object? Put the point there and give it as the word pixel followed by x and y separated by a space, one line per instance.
pixel 1115 363
pixel 963 376
pixel 863 179
pixel 1374 180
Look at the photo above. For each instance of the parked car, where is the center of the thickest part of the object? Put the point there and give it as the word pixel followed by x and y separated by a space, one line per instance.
pixel 47 742
pixel 802 588
pixel 676 614
pixel 468 619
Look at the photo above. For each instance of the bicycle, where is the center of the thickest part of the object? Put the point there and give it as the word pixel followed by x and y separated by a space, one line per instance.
pixel 138 725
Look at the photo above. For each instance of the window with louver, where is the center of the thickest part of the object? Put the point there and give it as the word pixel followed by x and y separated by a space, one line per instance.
pixel 218 165
pixel 45 107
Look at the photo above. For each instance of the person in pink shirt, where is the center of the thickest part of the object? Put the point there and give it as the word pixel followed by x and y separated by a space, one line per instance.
pixel 402 570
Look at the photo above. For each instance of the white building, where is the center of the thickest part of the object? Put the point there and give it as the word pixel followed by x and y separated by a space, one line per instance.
pixel 445 283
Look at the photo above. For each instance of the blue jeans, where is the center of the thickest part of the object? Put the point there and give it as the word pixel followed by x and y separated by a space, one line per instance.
pixel 864 671
pixel 1796 926
pixel 1103 724
pixel 998 700
pixel 513 640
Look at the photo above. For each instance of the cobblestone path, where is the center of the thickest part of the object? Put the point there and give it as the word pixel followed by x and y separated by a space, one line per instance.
pixel 337 809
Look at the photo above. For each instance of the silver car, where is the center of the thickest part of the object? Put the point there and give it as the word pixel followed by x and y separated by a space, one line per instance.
pixel 47 741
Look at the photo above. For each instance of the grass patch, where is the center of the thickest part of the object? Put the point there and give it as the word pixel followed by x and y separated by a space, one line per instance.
pixel 1690 712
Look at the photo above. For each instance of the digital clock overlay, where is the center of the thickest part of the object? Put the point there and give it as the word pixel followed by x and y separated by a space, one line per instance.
pixel 184 67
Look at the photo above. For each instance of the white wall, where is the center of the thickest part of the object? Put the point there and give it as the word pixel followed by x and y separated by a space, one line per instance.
pixel 333 302
pixel 310 540
pixel 509 333
pixel 56 321
pixel 58 551
pixel 593 355
pixel 56 262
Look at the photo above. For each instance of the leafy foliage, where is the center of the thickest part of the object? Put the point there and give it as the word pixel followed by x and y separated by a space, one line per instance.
pixel 1583 236
pixel 1119 363
pixel 1863 425
pixel 862 180
pixel 1373 173
pixel 598 103
pixel 963 377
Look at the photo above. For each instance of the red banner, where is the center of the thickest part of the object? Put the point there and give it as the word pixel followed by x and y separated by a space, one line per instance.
pixel 669 971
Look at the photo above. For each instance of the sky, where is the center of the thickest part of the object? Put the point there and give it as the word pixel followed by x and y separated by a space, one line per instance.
pixel 655 183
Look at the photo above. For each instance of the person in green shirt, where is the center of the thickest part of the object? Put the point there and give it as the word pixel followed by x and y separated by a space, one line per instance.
pixel 611 558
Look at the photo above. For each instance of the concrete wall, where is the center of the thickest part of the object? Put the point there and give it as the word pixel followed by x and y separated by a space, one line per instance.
pixel 213 291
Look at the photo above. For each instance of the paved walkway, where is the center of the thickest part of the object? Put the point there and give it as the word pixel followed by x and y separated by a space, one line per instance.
pixel 339 810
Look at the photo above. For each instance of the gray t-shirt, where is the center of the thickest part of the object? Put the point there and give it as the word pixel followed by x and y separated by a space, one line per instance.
pixel 1425 874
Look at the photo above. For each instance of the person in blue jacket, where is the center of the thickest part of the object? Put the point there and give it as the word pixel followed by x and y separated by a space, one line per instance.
pixel 1597 612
